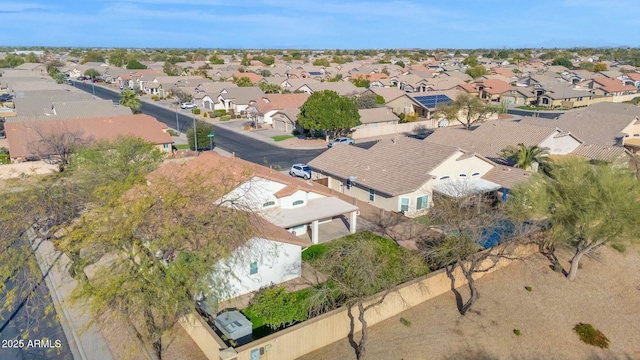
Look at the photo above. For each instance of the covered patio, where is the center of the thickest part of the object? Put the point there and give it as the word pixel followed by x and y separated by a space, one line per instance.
pixel 313 214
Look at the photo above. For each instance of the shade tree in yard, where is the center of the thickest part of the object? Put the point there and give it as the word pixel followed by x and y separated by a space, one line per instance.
pixel 467 110
pixel 327 110
pixel 587 206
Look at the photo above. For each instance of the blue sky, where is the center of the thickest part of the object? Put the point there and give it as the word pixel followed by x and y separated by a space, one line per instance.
pixel 343 24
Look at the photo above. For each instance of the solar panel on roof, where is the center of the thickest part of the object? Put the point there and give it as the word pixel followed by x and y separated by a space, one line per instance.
pixel 431 101
pixel 315 73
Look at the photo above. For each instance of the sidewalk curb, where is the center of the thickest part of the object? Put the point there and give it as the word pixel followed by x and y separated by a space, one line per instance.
pixel 71 318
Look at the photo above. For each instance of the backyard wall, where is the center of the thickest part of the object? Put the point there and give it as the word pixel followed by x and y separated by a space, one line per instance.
pixel 333 326
pixel 373 131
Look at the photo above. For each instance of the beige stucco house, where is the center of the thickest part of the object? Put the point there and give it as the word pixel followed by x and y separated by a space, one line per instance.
pixel 403 174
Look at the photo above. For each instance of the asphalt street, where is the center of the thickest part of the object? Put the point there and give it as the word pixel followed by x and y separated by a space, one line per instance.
pixel 258 152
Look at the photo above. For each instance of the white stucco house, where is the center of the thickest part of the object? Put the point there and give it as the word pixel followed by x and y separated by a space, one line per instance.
pixel 289 215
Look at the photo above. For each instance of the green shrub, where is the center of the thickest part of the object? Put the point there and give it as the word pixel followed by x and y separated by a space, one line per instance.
pixel 278 307
pixel 196 111
pixel 5 159
pixel 314 252
pixel 528 288
pixel 172 132
pixel 205 115
pixel 516 331
pixel 295 132
pixel 3 150
pixel 219 113
pixel 592 336
pixel 225 118
pixel 405 322
pixel 213 114
pixel 621 248
pixel 155 97
pixel 557 267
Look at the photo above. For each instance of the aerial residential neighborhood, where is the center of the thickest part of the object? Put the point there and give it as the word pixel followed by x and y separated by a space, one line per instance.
pixel 224 188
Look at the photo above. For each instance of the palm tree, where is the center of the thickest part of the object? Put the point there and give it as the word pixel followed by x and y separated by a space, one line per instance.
pixel 130 99
pixel 525 156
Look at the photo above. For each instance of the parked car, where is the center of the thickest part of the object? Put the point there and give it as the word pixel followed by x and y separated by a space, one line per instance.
pixel 342 140
pixel 300 170
pixel 188 105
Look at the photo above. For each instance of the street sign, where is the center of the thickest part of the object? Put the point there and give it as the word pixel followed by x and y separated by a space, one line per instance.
pixel 210 135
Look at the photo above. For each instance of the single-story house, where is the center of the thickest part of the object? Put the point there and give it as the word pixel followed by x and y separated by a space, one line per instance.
pixel 237 99
pixel 402 174
pixel 269 104
pixel 32 139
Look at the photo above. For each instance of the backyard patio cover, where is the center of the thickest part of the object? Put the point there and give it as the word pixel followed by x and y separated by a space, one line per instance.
pixel 316 209
pixel 462 188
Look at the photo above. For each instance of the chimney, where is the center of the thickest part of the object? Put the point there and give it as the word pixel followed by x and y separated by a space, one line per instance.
pixel 233 154
pixel 270 169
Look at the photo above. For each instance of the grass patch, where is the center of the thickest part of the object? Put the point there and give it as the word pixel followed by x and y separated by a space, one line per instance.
pixel 314 252
pixel 592 336
pixel 282 137
pixel 5 159
pixel 225 118
pixel 182 146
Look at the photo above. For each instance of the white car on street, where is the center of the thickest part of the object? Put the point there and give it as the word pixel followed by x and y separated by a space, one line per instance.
pixel 188 105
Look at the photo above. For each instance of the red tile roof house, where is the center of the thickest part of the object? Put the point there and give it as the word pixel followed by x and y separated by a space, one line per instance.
pixel 491 89
pixel 268 105
pixel 27 138
pixel 289 203
pixel 612 87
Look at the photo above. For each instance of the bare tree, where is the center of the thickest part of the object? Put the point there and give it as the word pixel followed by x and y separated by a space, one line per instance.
pixel 56 143
pixel 471 221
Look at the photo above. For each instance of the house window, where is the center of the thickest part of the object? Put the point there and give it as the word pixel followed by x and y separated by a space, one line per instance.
pixel 404 205
pixel 372 195
pixel 298 202
pixel 421 202
pixel 269 203
pixel 253 268
pixel 580 98
pixel 165 146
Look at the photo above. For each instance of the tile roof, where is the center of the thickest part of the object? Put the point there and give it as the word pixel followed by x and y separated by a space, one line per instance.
pixel 270 102
pixel 21 135
pixel 508 177
pixel 490 138
pixel 389 94
pixel 242 95
pixel 255 78
pixel 392 167
pixel 377 115
pixel 74 109
pixel 493 86
pixel 342 87
pixel 600 124
pixel 613 85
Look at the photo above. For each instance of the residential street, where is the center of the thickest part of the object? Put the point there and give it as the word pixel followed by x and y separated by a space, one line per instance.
pixel 245 147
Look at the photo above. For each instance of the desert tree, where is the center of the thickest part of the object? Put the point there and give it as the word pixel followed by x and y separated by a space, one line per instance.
pixel 587 205
pixel 467 110
pixel 471 221
pixel 55 143
pixel 357 268
pixel 92 73
pixel 150 254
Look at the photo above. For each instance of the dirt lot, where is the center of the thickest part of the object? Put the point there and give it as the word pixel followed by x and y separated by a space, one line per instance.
pixel 606 294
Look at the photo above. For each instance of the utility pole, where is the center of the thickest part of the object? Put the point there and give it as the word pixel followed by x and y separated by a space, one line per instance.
pixel 195 131
pixel 177 123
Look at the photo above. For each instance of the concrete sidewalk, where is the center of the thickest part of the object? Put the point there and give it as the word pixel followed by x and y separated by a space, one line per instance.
pixel 83 335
